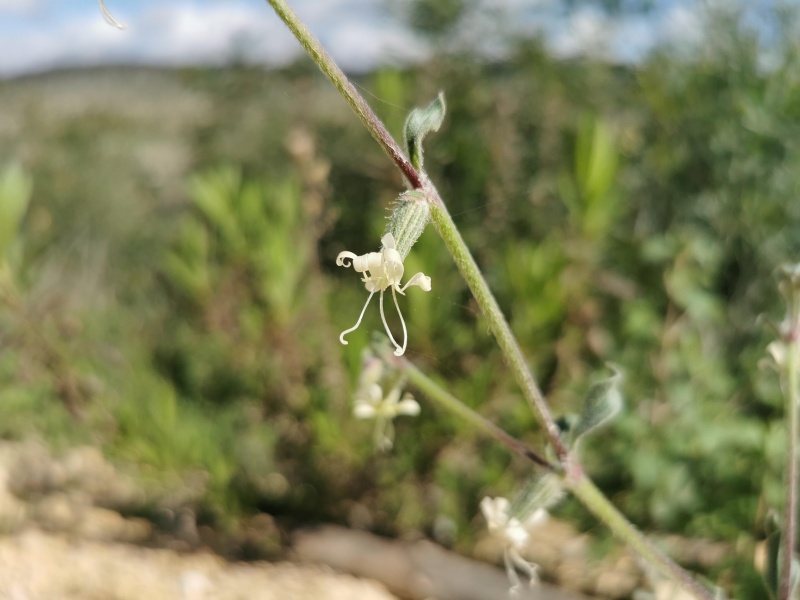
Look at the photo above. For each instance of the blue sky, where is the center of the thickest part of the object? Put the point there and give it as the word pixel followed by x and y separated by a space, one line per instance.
pixel 38 35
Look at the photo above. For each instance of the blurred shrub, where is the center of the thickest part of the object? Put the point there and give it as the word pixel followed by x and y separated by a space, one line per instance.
pixel 240 268
pixel 205 456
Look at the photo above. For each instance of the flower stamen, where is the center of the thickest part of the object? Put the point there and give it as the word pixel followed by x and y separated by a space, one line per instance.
pixel 361 316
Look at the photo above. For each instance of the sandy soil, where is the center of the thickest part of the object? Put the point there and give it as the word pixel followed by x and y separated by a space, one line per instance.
pixel 40 566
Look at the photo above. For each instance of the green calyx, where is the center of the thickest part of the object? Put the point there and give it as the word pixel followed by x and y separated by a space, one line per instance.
pixel 540 493
pixel 411 213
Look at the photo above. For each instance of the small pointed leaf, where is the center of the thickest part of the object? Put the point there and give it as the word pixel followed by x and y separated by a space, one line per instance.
pixel 419 123
pixel 771 571
pixel 603 403
pixel 772 529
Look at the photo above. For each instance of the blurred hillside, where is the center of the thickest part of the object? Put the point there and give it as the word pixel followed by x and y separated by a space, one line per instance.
pixel 171 295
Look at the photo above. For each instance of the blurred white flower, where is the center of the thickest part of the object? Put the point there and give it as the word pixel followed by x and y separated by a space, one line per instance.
pixel 371 403
pixel 778 351
pixel 514 535
pixel 382 270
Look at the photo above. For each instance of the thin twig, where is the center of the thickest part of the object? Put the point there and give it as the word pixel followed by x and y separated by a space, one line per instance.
pixel 592 498
pixel 446 400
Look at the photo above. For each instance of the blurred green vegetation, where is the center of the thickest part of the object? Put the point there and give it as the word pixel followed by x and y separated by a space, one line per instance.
pixel 170 291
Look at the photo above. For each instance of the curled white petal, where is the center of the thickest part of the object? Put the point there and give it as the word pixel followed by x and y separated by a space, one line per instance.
pixel 408 406
pixel 109 17
pixel 495 511
pixel 778 352
pixel 392 266
pixel 388 241
pixel 363 410
pixel 341 260
pixel 420 279
pixel 369 262
pixel 361 263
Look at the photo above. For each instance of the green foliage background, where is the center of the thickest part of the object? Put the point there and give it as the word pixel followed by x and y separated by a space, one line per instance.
pixel 171 292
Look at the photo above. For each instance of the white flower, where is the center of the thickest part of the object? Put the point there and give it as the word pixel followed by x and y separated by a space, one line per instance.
pixel 372 404
pixel 109 17
pixel 515 535
pixel 382 270
pixel 778 351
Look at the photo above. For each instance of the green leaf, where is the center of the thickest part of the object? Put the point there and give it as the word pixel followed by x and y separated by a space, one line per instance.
pixel 15 194
pixel 596 164
pixel 597 158
pixel 419 123
pixel 603 402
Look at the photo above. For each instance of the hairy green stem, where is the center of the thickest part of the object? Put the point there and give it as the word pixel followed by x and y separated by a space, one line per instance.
pixel 789 540
pixel 446 400
pixel 594 500
pixel 339 80
pixel 498 324
pixel 575 480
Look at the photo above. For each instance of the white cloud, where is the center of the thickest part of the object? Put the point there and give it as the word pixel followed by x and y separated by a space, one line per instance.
pixel 184 33
pixel 18 6
pixel 588 31
pixel 169 34
pixel 361 45
pixel 683 25
pixel 626 38
pixel 358 33
pixel 178 33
